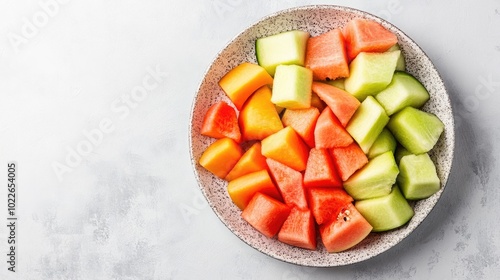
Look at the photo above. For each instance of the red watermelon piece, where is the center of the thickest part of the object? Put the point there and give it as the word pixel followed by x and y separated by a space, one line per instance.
pixel 265 214
pixel 303 122
pixel 326 56
pixel 348 159
pixel 329 132
pixel 362 35
pixel 342 103
pixel 326 203
pixel 320 171
pixel 299 229
pixel 346 231
pixel 289 182
pixel 220 121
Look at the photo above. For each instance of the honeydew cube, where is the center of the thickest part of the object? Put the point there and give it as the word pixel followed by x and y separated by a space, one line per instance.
pixel 370 73
pixel 418 177
pixel 384 142
pixel 386 212
pixel 292 87
pixel 367 123
pixel 375 179
pixel 404 90
pixel 284 48
pixel 416 130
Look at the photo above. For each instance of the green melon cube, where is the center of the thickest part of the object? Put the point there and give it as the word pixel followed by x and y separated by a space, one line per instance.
pixel 283 48
pixel 374 179
pixel 418 177
pixel 292 87
pixel 386 212
pixel 400 153
pixel 384 142
pixel 367 123
pixel 401 64
pixel 370 73
pixel 404 90
pixel 416 130
pixel 338 83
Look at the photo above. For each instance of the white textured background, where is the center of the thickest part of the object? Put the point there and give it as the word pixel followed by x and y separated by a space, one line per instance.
pixel 130 208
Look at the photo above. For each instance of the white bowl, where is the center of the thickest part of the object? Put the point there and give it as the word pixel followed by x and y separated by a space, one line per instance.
pixel 316 20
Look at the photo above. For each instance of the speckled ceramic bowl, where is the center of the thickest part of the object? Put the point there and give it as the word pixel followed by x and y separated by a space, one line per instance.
pixel 316 20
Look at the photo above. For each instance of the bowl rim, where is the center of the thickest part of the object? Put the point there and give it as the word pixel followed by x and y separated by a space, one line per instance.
pixel 359 13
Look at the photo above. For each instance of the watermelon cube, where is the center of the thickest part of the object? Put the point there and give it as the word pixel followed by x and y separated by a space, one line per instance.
pixel 303 121
pixel 364 35
pixel 292 87
pixel 342 103
pixel 265 214
pixel 326 56
pixel 220 121
pixel 348 160
pixel 347 230
pixel 329 132
pixel 327 203
pixel 320 171
pixel 284 48
pixel 289 182
pixel 299 229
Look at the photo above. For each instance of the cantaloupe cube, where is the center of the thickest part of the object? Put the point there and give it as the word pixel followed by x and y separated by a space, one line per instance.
pixel 258 118
pixel 251 161
pixel 240 82
pixel 287 147
pixel 221 156
pixel 242 189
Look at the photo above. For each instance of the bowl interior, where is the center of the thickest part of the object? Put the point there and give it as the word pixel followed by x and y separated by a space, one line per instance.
pixel 316 20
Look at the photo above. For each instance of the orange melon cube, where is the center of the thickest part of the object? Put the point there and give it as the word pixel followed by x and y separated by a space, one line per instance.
pixel 240 82
pixel 221 156
pixel 242 189
pixel 286 146
pixel 251 161
pixel 258 118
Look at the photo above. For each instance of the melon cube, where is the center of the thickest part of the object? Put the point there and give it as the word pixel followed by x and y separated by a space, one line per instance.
pixel 418 177
pixel 258 118
pixel 401 64
pixel 303 122
pixel 266 214
pixel 252 160
pixel 374 179
pixel 384 142
pixel 284 48
pixel 221 156
pixel 404 90
pixel 242 189
pixel 299 229
pixel 416 130
pixel 287 147
pixel 367 123
pixel 240 82
pixel 292 87
pixel 370 73
pixel 386 212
